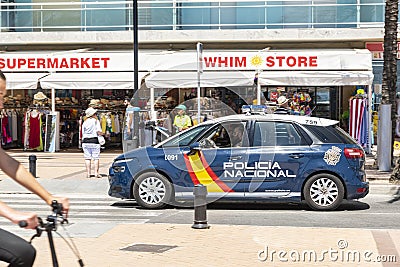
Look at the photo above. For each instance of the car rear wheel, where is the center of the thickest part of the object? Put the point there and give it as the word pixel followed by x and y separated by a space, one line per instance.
pixel 152 190
pixel 323 192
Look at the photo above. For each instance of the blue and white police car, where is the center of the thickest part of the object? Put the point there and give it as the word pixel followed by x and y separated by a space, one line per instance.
pixel 263 157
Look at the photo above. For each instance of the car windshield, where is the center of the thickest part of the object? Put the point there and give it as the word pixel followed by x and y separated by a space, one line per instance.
pixel 184 138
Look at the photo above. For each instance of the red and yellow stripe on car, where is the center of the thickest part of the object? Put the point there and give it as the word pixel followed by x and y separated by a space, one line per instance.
pixel 201 173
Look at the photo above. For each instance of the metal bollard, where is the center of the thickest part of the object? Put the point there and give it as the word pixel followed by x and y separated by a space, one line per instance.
pixel 32 165
pixel 200 207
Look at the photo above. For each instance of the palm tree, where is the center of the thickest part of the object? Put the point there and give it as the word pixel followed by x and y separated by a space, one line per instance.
pixel 390 70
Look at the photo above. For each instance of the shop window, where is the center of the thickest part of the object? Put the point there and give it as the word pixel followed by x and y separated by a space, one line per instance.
pixel 371 13
pixel 112 17
pixel 7 15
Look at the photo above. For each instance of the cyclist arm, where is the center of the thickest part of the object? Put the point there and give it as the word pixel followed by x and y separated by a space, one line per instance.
pixel 18 173
pixel 17 216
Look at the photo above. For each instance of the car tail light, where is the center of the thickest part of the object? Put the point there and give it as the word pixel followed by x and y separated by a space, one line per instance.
pixel 353 153
pixel 361 190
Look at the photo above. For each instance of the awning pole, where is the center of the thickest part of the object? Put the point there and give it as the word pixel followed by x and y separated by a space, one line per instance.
pixel 53 100
pixel 258 88
pixel 199 72
pixel 369 122
pixel 153 115
pixel 135 54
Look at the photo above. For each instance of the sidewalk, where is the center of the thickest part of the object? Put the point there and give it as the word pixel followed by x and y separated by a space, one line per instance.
pixel 227 245
pixel 221 245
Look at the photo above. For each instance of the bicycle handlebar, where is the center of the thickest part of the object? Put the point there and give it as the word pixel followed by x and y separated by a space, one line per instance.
pixel 23 224
pixel 51 224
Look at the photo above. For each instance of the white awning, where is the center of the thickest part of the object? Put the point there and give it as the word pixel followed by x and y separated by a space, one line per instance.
pixel 90 80
pixel 207 79
pixel 316 78
pixel 23 80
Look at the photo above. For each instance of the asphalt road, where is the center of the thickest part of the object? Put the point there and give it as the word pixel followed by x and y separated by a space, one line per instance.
pixel 372 212
pixel 92 216
pixel 90 205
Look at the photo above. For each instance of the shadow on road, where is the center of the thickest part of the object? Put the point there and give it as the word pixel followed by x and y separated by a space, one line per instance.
pixel 345 206
pixel 126 204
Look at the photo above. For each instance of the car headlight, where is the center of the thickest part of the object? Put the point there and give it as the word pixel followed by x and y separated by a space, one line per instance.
pixel 120 165
pixel 122 161
pixel 117 169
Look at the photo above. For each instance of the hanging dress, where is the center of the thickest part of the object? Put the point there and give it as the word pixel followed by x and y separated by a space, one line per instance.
pixel 34 130
pixel 6 131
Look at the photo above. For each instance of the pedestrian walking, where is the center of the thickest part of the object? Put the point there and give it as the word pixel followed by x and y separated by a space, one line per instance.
pixel 91 129
pixel 13 249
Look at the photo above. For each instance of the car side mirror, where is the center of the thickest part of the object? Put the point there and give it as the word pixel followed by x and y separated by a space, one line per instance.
pixel 194 148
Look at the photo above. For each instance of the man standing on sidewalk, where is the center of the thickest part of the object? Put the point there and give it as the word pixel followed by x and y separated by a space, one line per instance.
pixel 13 249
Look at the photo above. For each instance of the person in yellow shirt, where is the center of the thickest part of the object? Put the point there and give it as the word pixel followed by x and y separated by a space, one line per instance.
pixel 182 121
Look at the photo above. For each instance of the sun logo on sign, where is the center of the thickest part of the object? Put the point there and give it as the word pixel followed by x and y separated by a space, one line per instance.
pixel 256 61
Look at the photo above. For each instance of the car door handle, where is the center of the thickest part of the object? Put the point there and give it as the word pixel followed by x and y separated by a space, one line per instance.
pixel 233 158
pixel 296 155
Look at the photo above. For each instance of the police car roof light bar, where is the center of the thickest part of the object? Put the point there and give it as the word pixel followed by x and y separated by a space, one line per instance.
pixel 254 109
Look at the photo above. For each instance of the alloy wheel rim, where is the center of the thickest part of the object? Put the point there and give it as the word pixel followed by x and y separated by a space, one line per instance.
pixel 324 192
pixel 152 190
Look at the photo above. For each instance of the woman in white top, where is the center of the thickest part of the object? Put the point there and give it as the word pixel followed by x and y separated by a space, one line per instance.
pixel 90 143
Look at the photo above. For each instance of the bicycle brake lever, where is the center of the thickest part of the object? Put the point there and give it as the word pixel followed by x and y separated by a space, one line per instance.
pixel 39 230
pixel 38 234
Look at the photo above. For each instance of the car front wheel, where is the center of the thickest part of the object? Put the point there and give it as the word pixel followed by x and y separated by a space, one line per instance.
pixel 152 190
pixel 323 192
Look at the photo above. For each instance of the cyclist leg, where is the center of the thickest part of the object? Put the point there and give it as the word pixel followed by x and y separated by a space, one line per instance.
pixel 15 250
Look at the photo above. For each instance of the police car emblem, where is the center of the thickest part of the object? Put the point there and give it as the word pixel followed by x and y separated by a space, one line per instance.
pixel 332 156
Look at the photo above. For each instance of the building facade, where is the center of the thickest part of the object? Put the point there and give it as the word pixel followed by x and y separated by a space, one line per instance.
pixel 229 31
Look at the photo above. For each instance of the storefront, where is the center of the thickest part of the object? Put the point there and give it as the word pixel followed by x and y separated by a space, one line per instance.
pixel 376 49
pixel 73 81
pixel 319 82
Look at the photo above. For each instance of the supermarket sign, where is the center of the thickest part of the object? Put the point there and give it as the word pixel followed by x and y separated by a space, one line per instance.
pixel 376 49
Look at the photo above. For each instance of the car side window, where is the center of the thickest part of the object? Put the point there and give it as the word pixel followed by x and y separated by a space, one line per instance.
pixel 270 133
pixel 227 134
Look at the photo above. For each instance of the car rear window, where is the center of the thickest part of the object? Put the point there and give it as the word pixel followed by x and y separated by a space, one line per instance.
pixel 331 134
pixel 269 133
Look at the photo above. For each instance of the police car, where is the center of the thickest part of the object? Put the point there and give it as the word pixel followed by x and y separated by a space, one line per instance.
pixel 251 157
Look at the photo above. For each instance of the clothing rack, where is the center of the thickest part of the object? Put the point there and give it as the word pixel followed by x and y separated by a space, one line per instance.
pixel 11 122
pixel 37 107
pixel 113 135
